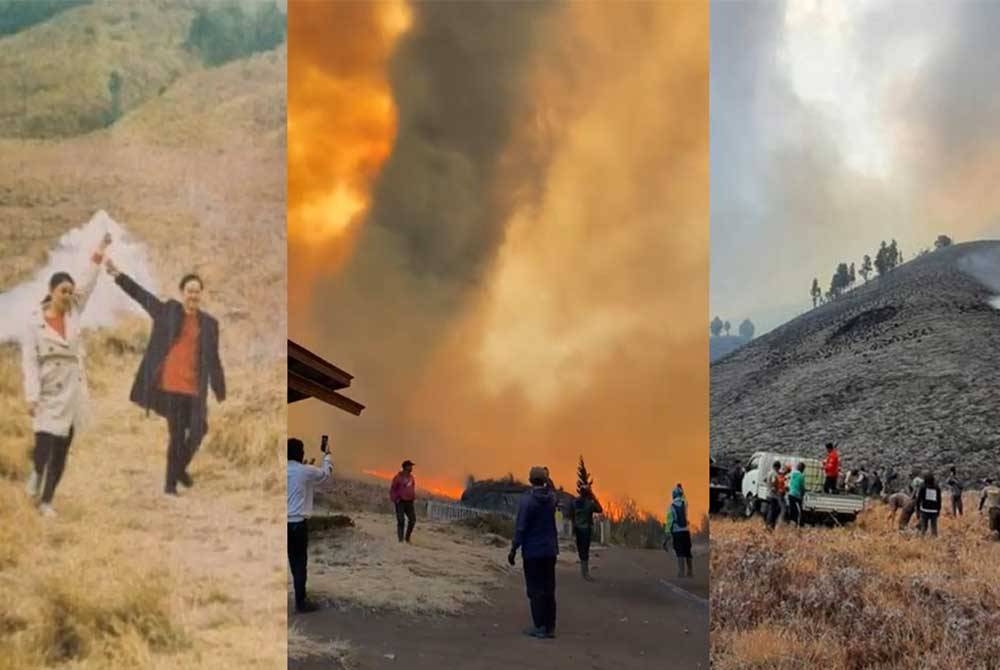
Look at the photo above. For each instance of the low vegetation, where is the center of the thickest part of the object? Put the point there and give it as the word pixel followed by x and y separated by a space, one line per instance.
pixel 864 596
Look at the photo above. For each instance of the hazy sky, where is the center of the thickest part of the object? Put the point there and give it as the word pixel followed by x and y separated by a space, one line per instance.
pixel 836 125
pixel 498 224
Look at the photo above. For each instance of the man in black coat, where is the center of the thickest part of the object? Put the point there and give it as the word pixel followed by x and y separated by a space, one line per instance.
pixel 180 364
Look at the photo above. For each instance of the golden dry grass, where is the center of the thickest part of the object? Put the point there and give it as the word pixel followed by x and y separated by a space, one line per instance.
pixel 367 566
pixel 125 577
pixel 864 596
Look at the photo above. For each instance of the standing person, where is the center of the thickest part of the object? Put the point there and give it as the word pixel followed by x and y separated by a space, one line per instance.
pixel 402 492
pixel 877 486
pixel 929 505
pixel 585 507
pixel 898 502
pixel 55 382
pixel 797 493
pixel 677 529
pixel 831 468
pixel 535 535
pixel 991 499
pixel 302 482
pixel 774 486
pixel 180 364
pixel 955 488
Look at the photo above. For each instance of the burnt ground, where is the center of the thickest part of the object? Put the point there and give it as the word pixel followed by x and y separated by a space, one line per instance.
pixel 903 371
pixel 633 617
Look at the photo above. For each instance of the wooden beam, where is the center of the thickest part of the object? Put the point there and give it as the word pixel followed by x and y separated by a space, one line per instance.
pixel 299 353
pixel 300 385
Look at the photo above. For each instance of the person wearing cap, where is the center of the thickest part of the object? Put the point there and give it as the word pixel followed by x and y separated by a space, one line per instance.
pixel 536 536
pixel 302 482
pixel 677 528
pixel 585 507
pixel 403 492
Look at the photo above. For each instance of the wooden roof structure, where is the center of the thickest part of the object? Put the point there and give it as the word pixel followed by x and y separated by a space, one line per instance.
pixel 309 376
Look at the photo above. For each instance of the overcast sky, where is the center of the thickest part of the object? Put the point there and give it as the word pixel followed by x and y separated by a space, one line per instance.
pixel 836 125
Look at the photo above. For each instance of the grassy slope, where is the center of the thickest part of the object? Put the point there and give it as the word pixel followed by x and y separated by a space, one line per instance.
pixel 125 578
pixel 861 597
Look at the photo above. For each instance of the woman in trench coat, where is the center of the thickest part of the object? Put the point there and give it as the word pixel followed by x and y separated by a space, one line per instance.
pixel 55 380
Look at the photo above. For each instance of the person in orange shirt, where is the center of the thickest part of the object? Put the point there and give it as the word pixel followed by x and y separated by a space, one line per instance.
pixel 180 364
pixel 831 468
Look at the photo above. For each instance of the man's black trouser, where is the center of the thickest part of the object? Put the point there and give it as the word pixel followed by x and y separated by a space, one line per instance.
pixel 406 516
pixel 795 510
pixel 956 505
pixel 50 460
pixel 298 557
pixel 773 512
pixel 540 580
pixel 830 485
pixel 184 439
pixel 583 538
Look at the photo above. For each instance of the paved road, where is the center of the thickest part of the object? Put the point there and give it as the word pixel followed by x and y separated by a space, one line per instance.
pixel 633 617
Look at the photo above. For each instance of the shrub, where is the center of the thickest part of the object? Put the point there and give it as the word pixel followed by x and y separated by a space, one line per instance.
pixel 221 33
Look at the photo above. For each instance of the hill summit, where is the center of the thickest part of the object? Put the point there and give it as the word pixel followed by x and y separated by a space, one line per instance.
pixel 904 371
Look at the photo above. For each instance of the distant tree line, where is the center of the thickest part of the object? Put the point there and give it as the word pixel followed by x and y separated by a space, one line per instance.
pixel 746 330
pixel 845 276
pixel 225 31
pixel 16 15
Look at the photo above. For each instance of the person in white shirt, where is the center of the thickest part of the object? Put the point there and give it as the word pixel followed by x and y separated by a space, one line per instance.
pixel 302 482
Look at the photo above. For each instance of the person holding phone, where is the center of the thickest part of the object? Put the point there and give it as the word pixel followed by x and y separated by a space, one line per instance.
pixel 302 482
pixel 55 382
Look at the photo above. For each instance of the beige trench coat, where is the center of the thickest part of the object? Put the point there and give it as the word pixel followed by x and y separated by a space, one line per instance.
pixel 54 372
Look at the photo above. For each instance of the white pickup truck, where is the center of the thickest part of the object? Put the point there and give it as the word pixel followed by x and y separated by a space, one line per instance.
pixel 816 506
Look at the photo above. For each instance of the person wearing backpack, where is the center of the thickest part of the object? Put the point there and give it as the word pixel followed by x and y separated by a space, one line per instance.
pixel 775 489
pixel 929 505
pixel 677 529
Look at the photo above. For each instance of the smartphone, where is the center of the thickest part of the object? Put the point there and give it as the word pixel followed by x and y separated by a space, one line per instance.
pixel 324 443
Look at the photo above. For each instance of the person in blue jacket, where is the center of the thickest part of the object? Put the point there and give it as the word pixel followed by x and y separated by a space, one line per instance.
pixel 535 534
pixel 677 528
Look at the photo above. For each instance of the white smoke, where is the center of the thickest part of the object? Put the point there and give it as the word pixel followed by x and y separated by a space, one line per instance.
pixel 984 265
pixel 72 254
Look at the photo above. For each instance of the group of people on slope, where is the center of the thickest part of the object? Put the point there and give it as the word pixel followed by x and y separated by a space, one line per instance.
pixel 180 363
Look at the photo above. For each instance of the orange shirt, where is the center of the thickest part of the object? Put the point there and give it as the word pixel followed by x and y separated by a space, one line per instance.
pixel 57 323
pixel 180 368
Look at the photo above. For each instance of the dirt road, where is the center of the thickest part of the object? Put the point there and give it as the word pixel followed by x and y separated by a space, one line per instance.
pixel 633 617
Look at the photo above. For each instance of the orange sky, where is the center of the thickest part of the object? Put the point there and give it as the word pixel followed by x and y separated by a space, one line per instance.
pixel 581 329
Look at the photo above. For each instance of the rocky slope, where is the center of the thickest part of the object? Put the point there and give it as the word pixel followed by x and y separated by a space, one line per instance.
pixel 903 371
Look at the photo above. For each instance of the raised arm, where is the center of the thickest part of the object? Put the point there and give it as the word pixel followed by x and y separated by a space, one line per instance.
pixel 149 302
pixel 88 280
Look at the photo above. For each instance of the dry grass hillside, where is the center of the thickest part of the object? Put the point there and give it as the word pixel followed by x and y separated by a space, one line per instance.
pixel 866 596
pixel 125 577
pixel 902 371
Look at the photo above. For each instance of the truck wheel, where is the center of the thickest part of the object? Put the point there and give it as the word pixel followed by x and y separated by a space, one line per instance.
pixel 750 506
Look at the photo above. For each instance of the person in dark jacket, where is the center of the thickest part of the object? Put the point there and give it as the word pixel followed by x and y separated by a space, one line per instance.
pixel 929 504
pixel 180 364
pixel 585 507
pixel 677 529
pixel 536 536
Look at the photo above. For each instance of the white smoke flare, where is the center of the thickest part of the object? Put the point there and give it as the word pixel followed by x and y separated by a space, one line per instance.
pixel 72 254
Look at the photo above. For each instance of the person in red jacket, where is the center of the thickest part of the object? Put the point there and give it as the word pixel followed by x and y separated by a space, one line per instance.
pixel 831 468
pixel 403 492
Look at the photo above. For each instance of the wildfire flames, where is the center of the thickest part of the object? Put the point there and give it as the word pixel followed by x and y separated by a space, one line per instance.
pixel 341 118
pixel 436 487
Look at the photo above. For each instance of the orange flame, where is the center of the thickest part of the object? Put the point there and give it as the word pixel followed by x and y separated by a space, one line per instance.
pixel 436 487
pixel 341 118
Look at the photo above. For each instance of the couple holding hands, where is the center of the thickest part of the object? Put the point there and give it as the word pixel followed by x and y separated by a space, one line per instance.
pixel 180 364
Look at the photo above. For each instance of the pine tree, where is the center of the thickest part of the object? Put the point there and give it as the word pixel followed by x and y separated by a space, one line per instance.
pixel 816 292
pixel 583 477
